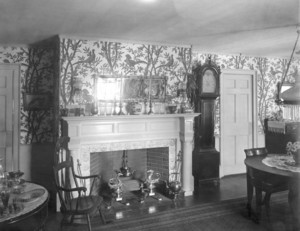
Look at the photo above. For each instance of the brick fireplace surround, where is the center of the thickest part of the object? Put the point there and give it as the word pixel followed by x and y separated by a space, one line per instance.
pixel 113 133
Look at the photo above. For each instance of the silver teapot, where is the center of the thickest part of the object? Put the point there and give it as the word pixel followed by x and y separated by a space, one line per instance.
pixel 126 171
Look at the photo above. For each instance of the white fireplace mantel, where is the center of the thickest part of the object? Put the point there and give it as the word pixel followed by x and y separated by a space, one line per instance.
pixel 111 133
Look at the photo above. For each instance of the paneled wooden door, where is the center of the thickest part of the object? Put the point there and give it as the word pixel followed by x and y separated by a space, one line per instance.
pixel 9 116
pixel 238 119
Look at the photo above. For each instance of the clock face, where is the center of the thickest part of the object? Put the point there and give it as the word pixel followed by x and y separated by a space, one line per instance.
pixel 209 82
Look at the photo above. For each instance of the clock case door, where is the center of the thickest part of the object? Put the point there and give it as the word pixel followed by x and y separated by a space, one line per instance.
pixel 201 73
pixel 206 159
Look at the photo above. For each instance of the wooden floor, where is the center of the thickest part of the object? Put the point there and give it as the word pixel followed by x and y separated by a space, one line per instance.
pixel 230 187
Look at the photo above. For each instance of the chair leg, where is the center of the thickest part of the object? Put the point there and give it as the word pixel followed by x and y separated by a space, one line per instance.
pixel 258 194
pixel 63 221
pixel 102 216
pixel 89 222
pixel 249 195
pixel 267 204
pixel 72 219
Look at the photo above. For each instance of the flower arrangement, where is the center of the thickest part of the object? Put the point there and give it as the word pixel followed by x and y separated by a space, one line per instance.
pixel 294 150
pixel 292 147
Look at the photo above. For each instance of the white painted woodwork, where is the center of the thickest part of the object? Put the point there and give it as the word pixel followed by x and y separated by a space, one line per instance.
pixel 238 119
pixel 113 133
pixel 9 116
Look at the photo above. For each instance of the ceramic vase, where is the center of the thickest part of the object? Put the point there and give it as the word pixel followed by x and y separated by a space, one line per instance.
pixel 94 109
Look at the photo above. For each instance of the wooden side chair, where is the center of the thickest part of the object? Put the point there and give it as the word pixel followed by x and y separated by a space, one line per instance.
pixel 262 182
pixel 61 150
pixel 74 200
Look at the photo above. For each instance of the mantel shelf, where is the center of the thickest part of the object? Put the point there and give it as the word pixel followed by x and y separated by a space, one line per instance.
pixel 129 117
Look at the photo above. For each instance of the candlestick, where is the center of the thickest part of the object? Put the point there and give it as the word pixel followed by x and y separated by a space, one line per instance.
pixel 115 107
pixel 121 88
pixel 150 108
pixel 149 89
pixel 121 111
pixel 145 106
pixel 121 93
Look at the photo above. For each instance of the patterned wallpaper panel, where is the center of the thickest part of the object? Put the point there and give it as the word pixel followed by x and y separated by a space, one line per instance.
pixel 269 72
pixel 37 68
pixel 83 59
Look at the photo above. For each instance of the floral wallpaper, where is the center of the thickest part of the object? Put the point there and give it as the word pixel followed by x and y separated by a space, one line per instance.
pixel 37 75
pixel 55 66
pixel 269 72
pixel 82 60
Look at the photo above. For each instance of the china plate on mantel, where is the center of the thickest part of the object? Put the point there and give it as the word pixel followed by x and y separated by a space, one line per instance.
pixel 31 196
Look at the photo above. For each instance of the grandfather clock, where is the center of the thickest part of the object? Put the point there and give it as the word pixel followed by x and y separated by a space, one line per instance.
pixel 206 159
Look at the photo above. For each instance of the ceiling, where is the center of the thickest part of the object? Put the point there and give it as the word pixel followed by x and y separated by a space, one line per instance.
pixel 250 27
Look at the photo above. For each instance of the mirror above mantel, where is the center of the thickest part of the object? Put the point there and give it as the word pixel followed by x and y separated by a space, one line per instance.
pixel 126 95
pixel 130 88
pixel 118 94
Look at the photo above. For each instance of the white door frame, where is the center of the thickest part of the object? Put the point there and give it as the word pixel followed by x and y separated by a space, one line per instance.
pixel 15 158
pixel 254 109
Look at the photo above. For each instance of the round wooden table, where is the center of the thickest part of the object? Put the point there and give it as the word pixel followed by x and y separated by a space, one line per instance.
pixel 256 164
pixel 27 210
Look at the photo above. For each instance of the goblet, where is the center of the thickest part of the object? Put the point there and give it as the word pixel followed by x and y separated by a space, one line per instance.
pixel 116 185
pixel 5 194
pixel 152 178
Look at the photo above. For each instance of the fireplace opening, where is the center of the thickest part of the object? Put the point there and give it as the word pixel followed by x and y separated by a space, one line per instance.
pixel 138 160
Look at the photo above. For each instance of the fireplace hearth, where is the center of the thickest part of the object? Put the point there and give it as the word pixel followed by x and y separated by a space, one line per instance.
pixel 127 132
pixel 137 163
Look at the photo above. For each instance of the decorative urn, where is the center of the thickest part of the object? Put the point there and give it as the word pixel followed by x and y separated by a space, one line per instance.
pixel 174 186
